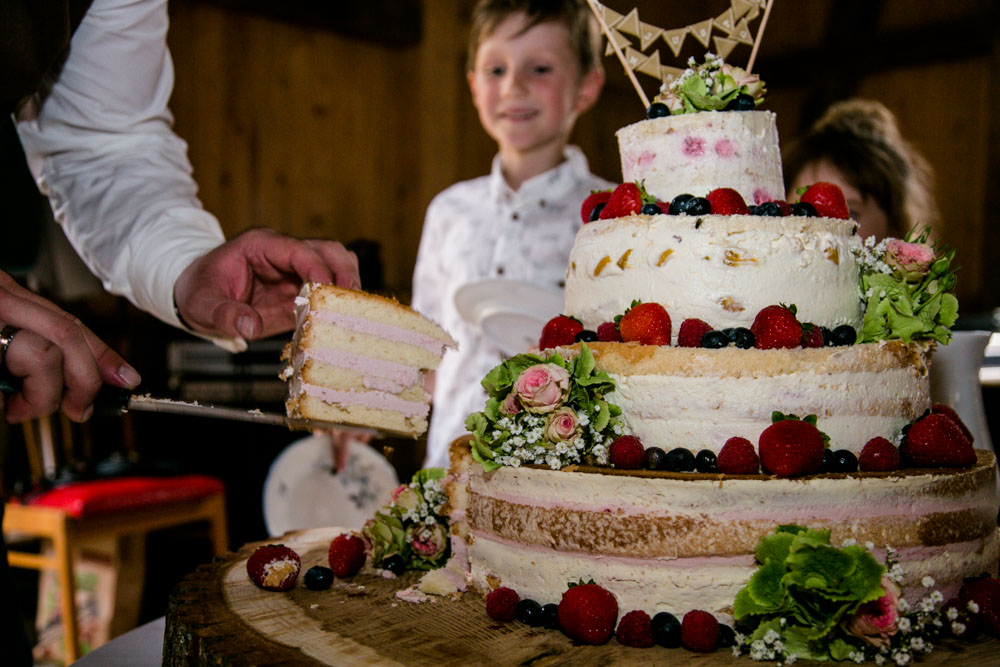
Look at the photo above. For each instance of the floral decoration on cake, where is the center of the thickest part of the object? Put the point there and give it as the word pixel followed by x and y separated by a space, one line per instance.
pixel 811 600
pixel 411 531
pixel 711 86
pixel 906 287
pixel 545 410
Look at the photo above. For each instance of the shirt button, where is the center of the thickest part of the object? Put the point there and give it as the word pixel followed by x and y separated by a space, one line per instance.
pixel 541 203
pixel 499 270
pixel 514 216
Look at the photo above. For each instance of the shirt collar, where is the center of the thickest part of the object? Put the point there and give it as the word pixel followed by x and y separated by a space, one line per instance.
pixel 552 183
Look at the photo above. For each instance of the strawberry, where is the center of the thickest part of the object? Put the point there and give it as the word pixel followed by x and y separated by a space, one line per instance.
pixel 626 199
pixel 949 412
pixel 587 613
pixel 878 455
pixel 346 554
pixel 726 201
pixel 626 452
pixel 591 202
pixel 812 335
pixel 560 330
pixel 635 630
pixel 274 567
pixel 501 604
pixel 776 327
pixel 647 323
pixel 691 331
pixel 738 457
pixel 699 631
pixel 607 332
pixel 828 200
pixel 791 447
pixel 935 441
pixel 985 592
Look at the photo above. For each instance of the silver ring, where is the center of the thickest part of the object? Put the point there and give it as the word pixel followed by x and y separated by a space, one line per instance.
pixel 6 336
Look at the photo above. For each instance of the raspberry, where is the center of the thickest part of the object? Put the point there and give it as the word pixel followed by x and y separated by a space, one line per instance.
pixel 699 631
pixel 812 336
pixel 346 555
pixel 626 452
pixel 635 630
pixel 985 592
pixel 501 604
pixel 691 331
pixel 878 455
pixel 738 457
pixel 587 613
pixel 607 332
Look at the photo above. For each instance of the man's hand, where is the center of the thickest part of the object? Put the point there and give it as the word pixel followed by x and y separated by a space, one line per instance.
pixel 246 287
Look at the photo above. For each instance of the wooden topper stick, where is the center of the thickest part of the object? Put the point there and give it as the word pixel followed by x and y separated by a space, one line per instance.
pixel 621 56
pixel 760 33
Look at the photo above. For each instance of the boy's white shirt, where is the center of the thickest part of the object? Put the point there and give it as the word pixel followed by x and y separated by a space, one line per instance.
pixel 482 229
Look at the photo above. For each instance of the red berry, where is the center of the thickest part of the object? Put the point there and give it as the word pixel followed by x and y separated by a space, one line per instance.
pixel 699 631
pixel 587 613
pixel 949 412
pixel 738 457
pixel 691 331
pixel 626 452
pixel 274 567
pixel 878 455
pixel 776 327
pixel 790 448
pixel 607 332
pixel 635 630
pixel 985 592
pixel 626 199
pixel 828 200
pixel 935 441
pixel 346 555
pixel 786 208
pixel 726 201
pixel 812 336
pixel 647 323
pixel 591 202
pixel 560 330
pixel 501 604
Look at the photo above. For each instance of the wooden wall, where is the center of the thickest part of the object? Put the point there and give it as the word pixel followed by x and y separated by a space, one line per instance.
pixel 319 134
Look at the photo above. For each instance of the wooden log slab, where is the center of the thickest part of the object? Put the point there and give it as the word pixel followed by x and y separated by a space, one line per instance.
pixel 217 616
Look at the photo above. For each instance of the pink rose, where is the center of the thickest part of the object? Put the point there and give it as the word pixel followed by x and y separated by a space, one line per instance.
pixel 877 621
pixel 428 541
pixel 913 259
pixel 562 426
pixel 510 405
pixel 542 387
pixel 398 491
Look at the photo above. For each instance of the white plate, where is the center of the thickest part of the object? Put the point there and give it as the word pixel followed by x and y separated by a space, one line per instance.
pixel 509 313
pixel 301 491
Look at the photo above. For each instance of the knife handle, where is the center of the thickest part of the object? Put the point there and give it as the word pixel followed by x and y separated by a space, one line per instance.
pixel 111 401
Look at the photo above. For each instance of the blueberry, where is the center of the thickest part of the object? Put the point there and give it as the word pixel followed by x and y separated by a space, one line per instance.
pixel 697 206
pixel 743 338
pixel 529 612
pixel 742 102
pixel 729 331
pixel 394 564
pixel 752 209
pixel 595 213
pixel 714 340
pixel 844 460
pixel 586 336
pixel 680 460
pixel 769 209
pixel 804 209
pixel 666 629
pixel 678 203
pixel 726 638
pixel 550 616
pixel 827 337
pixel 844 335
pixel 657 110
pixel 829 463
pixel 318 578
pixel 654 459
pixel 705 461
pixel 651 209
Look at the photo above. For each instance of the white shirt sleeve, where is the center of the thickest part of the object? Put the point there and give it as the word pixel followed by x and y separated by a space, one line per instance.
pixel 101 147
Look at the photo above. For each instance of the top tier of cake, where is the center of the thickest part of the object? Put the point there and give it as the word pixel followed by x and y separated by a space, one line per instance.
pixel 696 153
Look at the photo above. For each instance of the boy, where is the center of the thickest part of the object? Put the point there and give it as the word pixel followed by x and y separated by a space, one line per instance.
pixel 533 67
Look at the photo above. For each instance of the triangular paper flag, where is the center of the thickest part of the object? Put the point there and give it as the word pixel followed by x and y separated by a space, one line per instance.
pixel 675 39
pixel 611 17
pixel 724 46
pixel 701 31
pixel 668 74
pixel 724 22
pixel 651 65
pixel 741 33
pixel 621 40
pixel 634 58
pixel 741 7
pixel 630 23
pixel 648 33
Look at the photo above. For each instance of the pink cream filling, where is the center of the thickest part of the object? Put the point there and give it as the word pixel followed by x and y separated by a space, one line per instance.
pixel 378 400
pixel 398 334
pixel 378 374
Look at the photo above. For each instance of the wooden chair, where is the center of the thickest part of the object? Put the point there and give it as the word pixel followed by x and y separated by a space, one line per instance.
pixel 99 512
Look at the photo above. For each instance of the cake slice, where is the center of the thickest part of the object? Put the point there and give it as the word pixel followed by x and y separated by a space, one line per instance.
pixel 359 358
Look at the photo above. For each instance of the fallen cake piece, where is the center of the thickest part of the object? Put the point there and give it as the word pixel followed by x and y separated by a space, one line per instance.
pixel 359 358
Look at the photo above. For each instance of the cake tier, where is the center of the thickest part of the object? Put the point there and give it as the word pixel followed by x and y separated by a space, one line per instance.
pixel 696 153
pixel 720 269
pixel 698 398
pixel 676 542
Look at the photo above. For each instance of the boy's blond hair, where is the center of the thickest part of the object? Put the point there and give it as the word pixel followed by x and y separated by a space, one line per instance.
pixel 584 33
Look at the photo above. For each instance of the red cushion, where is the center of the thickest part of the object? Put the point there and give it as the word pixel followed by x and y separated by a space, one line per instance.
pixel 120 494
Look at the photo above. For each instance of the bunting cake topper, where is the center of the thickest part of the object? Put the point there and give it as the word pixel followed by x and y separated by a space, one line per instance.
pixel 722 33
